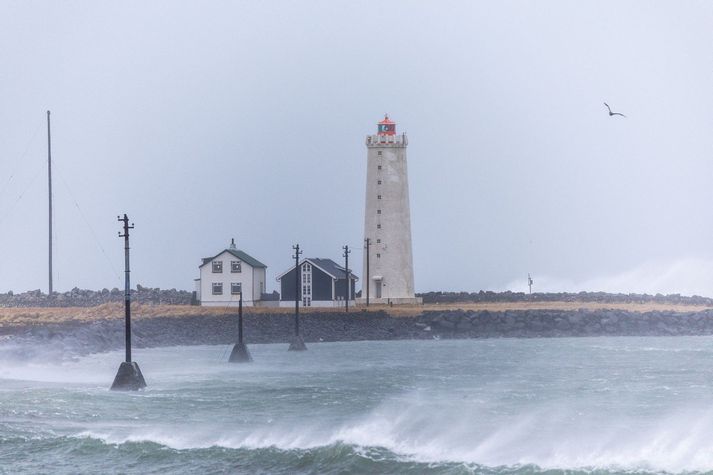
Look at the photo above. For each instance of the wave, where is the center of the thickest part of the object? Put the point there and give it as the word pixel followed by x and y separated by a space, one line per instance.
pixel 420 430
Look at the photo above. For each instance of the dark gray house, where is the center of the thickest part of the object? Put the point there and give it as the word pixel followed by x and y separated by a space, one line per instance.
pixel 322 282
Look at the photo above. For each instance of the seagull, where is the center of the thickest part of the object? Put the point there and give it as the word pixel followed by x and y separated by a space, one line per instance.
pixel 613 113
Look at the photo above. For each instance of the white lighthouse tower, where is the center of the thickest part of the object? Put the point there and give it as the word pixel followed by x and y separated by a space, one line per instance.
pixel 388 264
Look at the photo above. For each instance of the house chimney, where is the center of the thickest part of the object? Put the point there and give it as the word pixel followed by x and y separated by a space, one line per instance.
pixel 232 244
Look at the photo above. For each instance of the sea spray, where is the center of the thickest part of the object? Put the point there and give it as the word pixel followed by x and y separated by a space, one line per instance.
pixel 496 406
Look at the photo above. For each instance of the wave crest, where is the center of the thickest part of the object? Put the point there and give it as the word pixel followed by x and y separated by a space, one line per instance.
pixel 423 431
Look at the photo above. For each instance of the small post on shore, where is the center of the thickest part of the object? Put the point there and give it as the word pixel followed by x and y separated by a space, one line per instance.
pixel 530 282
pixel 348 279
pixel 297 343
pixel 129 377
pixel 240 353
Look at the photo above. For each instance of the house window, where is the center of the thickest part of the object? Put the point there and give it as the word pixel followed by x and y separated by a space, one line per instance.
pixel 236 288
pixel 217 267
pixel 217 288
pixel 235 267
pixel 378 182
pixel 306 285
pixel 378 197
pixel 378 211
pixel 379 153
pixel 378 226
pixel 379 167
pixel 378 241
pixel 378 256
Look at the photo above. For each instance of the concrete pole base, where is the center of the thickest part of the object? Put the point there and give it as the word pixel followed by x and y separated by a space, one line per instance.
pixel 240 354
pixel 128 378
pixel 297 344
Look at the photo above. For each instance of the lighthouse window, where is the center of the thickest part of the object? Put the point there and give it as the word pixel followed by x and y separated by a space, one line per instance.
pixel 217 267
pixel 379 167
pixel 378 211
pixel 378 241
pixel 378 182
pixel 217 288
pixel 378 226
pixel 378 197
pixel 378 256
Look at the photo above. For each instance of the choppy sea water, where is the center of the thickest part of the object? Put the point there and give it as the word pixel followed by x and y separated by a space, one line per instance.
pixel 603 405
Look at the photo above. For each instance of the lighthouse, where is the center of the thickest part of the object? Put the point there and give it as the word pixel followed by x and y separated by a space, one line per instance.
pixel 388 260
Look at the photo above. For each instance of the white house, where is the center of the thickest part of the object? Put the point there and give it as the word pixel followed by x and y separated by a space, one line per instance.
pixel 228 274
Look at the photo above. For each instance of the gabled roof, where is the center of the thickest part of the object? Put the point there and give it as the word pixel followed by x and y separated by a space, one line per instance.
pixel 237 253
pixel 328 266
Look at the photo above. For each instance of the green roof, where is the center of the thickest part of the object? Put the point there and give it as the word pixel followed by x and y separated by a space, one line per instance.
pixel 249 260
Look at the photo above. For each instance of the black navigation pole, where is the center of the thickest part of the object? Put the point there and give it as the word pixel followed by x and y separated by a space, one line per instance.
pixel 127 286
pixel 240 316
pixel 129 377
pixel 348 280
pixel 367 279
pixel 296 247
pixel 240 353
pixel 297 343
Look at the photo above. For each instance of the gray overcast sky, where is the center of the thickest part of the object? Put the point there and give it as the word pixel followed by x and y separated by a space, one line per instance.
pixel 210 120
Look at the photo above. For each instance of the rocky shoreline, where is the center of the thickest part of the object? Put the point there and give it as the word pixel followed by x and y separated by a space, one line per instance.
pixel 77 338
pixel 156 296
pixel 566 323
pixel 485 296
pixel 91 298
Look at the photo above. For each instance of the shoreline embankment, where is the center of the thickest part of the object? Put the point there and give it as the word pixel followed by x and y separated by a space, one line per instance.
pixel 73 338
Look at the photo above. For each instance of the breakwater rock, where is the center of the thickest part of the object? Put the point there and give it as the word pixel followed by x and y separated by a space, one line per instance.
pixel 148 295
pixel 76 338
pixel 485 296
pixel 92 298
pixel 560 323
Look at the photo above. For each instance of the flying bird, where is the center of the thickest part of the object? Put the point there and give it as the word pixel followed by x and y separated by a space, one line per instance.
pixel 613 113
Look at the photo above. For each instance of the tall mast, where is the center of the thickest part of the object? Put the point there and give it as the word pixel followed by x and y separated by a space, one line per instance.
pixel 49 183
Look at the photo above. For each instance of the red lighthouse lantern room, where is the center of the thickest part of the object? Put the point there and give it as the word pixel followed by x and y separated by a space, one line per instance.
pixel 387 126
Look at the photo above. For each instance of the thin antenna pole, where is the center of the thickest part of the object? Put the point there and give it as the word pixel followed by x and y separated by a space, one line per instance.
pixel 367 278
pixel 347 275
pixel 49 186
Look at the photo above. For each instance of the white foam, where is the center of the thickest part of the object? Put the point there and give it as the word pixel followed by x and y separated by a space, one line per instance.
pixel 548 437
pixel 570 431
